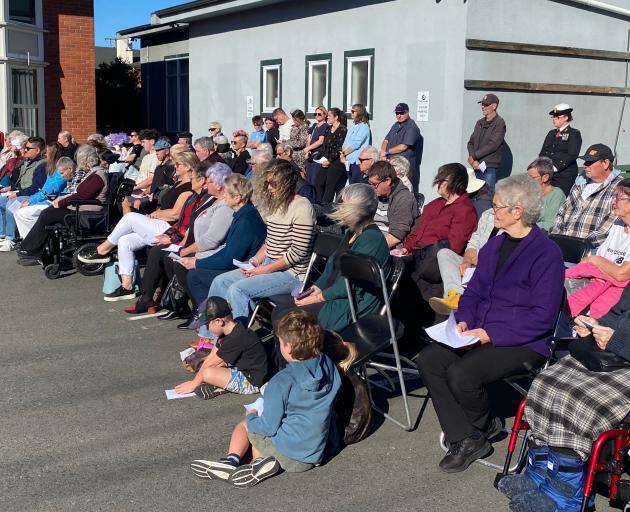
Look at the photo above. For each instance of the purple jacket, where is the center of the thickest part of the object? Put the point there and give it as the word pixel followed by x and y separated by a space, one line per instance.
pixel 519 304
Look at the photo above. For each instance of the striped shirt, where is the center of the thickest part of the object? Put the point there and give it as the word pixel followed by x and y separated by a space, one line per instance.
pixel 290 235
pixel 590 217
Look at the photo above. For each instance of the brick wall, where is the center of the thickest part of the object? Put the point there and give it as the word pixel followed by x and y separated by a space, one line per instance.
pixel 69 77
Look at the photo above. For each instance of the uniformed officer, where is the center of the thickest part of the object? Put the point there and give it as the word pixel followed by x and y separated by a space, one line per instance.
pixel 562 145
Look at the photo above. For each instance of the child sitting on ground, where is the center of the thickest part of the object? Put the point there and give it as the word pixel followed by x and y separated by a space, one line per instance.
pixel 295 425
pixel 239 364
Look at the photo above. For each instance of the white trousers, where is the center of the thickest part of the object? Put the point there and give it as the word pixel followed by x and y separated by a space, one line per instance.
pixel 134 231
pixel 25 218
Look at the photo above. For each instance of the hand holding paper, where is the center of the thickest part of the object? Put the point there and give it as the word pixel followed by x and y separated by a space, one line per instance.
pixel 448 333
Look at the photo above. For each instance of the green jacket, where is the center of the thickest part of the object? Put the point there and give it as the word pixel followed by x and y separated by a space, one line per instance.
pixel 335 315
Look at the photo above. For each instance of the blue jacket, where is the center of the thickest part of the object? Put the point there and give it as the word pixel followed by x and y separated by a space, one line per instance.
pixel 245 236
pixel 519 304
pixel 54 185
pixel 358 138
pixel 298 409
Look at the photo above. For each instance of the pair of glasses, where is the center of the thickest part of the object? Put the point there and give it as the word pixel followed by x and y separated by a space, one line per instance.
pixel 617 199
pixel 375 185
pixel 27 148
pixel 213 129
pixel 497 207
pixel 364 159
pixel 319 114
pixel 353 111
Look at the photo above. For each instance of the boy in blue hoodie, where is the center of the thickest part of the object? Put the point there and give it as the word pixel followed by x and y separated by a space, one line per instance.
pixel 295 426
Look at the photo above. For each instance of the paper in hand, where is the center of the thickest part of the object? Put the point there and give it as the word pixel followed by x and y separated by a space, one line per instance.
pixel 482 166
pixel 258 406
pixel 172 248
pixel 171 394
pixel 468 273
pixel 245 265
pixel 446 333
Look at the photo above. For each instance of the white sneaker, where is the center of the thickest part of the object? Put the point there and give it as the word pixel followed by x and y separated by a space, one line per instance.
pixel 7 245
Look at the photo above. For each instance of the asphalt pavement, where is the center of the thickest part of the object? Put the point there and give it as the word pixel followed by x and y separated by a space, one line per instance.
pixel 85 424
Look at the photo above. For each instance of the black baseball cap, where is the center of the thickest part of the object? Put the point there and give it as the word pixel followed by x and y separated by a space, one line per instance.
pixel 217 307
pixel 401 108
pixel 597 152
pixel 489 99
pixel 184 135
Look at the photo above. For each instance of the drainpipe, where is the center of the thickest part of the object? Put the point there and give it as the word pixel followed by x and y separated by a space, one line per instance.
pixel 603 6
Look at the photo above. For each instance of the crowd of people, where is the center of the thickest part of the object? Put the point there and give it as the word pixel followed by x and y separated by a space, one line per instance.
pixel 231 223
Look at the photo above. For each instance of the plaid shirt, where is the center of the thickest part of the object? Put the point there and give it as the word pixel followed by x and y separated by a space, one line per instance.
pixel 589 218
pixel 568 406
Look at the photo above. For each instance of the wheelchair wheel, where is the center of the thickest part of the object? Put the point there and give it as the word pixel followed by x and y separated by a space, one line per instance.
pixel 87 269
pixel 52 271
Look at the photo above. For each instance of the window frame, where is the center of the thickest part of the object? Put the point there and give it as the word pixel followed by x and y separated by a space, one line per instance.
pixel 37 106
pixel 367 54
pixel 264 66
pixel 309 62
pixel 36 14
pixel 178 75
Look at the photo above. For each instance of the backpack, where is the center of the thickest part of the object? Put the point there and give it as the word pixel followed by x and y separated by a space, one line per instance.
pixel 111 277
pixel 353 409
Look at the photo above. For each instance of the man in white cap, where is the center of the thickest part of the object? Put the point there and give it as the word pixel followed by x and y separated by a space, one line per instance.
pixel 563 145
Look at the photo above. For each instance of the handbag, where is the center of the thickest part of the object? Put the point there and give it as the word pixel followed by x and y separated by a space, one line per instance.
pixel 593 358
pixel 353 409
pixel 174 297
pixel 111 277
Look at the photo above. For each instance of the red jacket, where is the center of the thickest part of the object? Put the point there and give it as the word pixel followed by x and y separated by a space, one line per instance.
pixel 454 222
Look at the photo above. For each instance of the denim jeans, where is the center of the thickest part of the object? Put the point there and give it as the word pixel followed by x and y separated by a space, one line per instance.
pixel 239 290
pixel 7 220
pixel 489 176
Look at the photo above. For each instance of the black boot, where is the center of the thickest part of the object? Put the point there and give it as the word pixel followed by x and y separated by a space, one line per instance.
pixel 463 453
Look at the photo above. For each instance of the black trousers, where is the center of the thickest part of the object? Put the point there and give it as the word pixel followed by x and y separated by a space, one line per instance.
pixel 330 180
pixel 456 381
pixel 158 271
pixel 565 179
pixel 37 237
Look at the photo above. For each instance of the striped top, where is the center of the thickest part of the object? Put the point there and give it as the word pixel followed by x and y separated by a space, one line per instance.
pixel 290 234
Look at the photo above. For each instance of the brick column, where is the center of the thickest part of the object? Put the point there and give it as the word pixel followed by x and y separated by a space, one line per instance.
pixel 69 79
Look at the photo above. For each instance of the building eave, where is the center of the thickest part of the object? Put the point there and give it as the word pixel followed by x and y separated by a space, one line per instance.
pixel 202 9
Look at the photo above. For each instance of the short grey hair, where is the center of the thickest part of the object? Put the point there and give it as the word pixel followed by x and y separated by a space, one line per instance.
pixel 262 158
pixel 265 147
pixel 237 184
pixel 400 165
pixel 19 140
pixel 97 137
pixel 65 163
pixel 357 208
pixel 215 124
pixel 205 143
pixel 66 135
pixel 371 152
pixel 544 166
pixel 218 172
pixel 86 157
pixel 522 191
pixel 284 146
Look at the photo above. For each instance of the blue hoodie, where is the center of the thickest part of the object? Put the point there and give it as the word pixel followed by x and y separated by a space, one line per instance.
pixel 298 409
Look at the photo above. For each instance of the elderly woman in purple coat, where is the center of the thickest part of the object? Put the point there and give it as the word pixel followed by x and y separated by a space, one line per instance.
pixel 511 305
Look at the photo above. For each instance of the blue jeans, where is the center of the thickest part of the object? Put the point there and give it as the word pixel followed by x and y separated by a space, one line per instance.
pixel 239 290
pixel 199 281
pixel 490 176
pixel 7 220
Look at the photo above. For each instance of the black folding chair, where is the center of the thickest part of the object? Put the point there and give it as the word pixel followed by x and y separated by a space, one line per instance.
pixel 573 249
pixel 379 332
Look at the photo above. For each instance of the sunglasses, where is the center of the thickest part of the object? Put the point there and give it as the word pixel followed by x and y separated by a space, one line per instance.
pixel 213 129
pixel 319 114
pixel 353 111
pixel 364 159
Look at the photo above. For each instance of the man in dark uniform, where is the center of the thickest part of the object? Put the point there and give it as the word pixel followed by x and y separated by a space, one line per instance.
pixel 562 145
pixel 404 139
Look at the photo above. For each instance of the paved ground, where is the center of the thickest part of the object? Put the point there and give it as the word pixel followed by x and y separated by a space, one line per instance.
pixel 85 425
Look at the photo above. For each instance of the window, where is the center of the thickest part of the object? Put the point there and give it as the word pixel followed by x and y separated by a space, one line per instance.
pixel 270 85
pixel 22 10
pixel 318 81
pixel 359 79
pixel 24 108
pixel 177 101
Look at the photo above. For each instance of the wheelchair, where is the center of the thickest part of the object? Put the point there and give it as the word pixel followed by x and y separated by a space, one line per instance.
pixel 81 230
pixel 607 468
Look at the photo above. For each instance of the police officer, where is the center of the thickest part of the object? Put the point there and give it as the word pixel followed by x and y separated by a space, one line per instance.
pixel 562 145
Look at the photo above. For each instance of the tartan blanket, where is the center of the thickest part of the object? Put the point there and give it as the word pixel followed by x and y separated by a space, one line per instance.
pixel 568 406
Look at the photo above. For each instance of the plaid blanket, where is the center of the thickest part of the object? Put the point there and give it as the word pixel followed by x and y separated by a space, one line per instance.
pixel 568 406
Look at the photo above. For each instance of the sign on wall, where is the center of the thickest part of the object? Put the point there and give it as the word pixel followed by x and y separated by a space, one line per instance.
pixel 250 106
pixel 422 113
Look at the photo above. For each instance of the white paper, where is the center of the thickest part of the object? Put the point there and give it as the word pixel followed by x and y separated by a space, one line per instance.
pixel 482 166
pixel 320 160
pixel 5 194
pixel 138 196
pixel 172 248
pixel 468 273
pixel 245 265
pixel 14 207
pixel 258 405
pixel 175 256
pixel 185 353
pixel 171 394
pixel 446 333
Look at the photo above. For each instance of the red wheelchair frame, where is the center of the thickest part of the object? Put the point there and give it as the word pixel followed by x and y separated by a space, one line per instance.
pixel 620 437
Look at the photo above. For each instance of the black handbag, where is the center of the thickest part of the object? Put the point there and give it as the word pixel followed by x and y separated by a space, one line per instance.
pixel 592 357
pixel 174 297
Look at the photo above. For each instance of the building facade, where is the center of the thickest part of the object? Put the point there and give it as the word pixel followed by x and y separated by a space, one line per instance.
pixel 245 57
pixel 46 46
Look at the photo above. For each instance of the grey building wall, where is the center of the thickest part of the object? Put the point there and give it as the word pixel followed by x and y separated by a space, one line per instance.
pixel 418 46
pixel 548 22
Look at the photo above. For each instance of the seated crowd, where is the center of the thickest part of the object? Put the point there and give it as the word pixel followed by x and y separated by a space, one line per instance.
pixel 228 227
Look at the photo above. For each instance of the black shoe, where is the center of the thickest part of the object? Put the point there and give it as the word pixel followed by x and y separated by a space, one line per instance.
pixel 463 453
pixel 120 294
pixel 29 261
pixel 493 429
pixel 171 315
pixel 191 323
pixel 92 256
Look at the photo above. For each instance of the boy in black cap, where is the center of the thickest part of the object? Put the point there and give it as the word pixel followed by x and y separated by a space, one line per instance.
pixel 239 364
